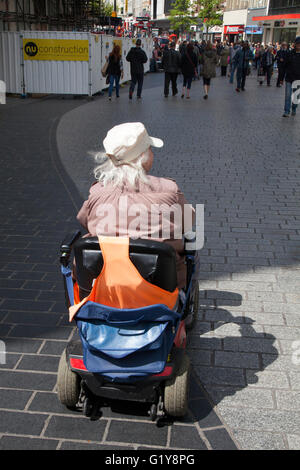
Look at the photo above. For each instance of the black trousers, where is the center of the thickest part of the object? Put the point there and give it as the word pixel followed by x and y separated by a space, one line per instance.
pixel 139 78
pixel 170 77
pixel 268 71
pixel 281 74
pixel 223 70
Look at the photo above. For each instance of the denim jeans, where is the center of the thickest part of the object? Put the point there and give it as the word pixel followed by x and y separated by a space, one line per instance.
pixel 288 98
pixel 139 78
pixel 233 69
pixel 112 79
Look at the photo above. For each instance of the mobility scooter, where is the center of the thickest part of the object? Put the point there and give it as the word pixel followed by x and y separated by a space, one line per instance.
pixel 132 348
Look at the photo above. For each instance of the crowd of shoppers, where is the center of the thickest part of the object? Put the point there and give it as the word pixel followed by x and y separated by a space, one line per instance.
pixel 195 60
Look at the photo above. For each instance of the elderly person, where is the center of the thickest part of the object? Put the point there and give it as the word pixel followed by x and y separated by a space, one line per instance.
pixel 124 188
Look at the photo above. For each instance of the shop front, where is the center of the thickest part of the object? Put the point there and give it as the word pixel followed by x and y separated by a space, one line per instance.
pixel 279 28
pixel 234 33
pixel 254 33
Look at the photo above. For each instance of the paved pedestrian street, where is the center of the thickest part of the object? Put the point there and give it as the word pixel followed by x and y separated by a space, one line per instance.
pixel 235 154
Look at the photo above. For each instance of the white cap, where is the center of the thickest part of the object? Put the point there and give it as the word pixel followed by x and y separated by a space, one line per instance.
pixel 128 141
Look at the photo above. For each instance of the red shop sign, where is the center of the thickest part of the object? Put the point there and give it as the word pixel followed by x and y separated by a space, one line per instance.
pixel 234 29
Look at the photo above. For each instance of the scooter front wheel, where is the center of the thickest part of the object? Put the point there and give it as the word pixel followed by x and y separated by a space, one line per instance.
pixel 68 387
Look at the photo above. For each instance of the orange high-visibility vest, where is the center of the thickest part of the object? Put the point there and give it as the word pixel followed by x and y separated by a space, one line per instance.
pixel 120 284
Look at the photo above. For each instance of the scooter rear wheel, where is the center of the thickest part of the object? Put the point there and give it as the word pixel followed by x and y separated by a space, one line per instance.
pixel 176 390
pixel 68 387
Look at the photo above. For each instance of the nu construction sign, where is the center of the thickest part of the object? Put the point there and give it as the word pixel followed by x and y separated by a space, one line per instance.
pixel 55 49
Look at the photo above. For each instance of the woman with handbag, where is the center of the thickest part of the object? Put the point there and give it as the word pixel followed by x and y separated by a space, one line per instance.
pixel 114 70
pixel 209 60
pixel 189 64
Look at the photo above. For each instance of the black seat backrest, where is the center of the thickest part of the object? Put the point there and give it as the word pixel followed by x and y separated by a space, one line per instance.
pixel 155 261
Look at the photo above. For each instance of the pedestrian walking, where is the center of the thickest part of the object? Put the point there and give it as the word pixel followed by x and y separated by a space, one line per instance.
pixel 292 78
pixel 233 64
pixel 171 64
pixel 137 58
pixel 209 60
pixel 267 62
pixel 189 69
pixel 114 70
pixel 280 59
pixel 242 59
pixel 182 47
pixel 224 54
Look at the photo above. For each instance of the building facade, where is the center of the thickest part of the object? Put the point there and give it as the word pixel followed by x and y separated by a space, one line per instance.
pixel 238 20
pixel 282 21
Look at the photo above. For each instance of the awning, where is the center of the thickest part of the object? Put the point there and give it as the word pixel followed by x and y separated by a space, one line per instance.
pixel 290 16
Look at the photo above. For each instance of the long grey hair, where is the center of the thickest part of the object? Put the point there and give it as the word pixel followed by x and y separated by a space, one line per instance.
pixel 107 172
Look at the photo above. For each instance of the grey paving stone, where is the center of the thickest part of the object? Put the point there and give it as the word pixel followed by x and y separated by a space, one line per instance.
pixel 295 380
pixel 278 421
pixel 245 397
pixel 240 360
pixel 46 319
pixel 200 357
pixel 55 348
pixel 10 361
pixel 259 440
pixel 39 363
pixel 22 345
pixel 26 305
pixel 266 345
pixel 27 443
pixel 14 399
pixel 42 332
pixel 186 437
pixel 4 330
pixel 18 294
pixel 27 381
pixel 75 428
pixel 69 445
pixel 15 422
pixel 137 433
pixel 220 375
pixel 49 402
pixel 287 400
pixel 219 439
pixel 268 379
pixel 204 414
pixel 293 441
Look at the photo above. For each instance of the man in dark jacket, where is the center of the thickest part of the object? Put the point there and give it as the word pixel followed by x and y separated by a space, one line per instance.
pixel 137 58
pixel 292 80
pixel 281 58
pixel 171 65
pixel 242 58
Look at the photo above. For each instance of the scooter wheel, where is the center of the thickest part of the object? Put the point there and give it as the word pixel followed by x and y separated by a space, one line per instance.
pixel 68 387
pixel 88 407
pixel 153 412
pixel 176 390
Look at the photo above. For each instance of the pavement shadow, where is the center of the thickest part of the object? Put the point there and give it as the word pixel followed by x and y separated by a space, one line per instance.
pixel 235 360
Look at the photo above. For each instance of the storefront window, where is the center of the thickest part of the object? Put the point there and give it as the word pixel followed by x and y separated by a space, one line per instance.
pixel 284 34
